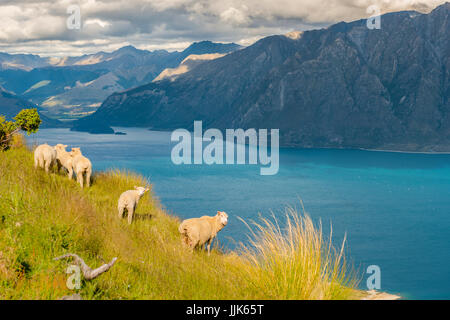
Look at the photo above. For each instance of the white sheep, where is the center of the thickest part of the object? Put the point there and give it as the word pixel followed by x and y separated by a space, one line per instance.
pixel 199 231
pixel 129 199
pixel 64 159
pixel 81 166
pixel 44 157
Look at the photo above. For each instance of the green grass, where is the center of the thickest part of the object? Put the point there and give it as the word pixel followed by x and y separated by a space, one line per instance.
pixel 43 216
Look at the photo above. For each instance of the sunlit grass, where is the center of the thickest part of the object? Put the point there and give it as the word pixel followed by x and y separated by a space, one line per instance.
pixel 44 216
pixel 296 262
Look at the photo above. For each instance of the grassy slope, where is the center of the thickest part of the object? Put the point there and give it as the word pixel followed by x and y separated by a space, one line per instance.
pixel 43 216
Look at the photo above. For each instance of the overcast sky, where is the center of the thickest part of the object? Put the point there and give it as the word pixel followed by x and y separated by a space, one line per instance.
pixel 40 26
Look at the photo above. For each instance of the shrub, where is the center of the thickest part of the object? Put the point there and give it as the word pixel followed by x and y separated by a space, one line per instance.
pixel 27 120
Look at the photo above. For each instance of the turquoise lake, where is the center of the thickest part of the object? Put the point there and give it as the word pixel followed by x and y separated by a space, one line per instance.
pixel 393 207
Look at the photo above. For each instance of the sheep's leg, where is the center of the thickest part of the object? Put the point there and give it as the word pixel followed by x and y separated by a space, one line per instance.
pixel 209 242
pixel 194 243
pixel 88 177
pixel 58 164
pixel 41 162
pixel 121 210
pixel 80 178
pixel 70 173
pixel 35 162
pixel 47 165
pixel 130 210
pixel 209 246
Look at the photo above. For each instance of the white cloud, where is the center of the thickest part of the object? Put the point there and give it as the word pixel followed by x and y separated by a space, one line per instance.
pixel 235 16
pixel 39 26
pixel 99 22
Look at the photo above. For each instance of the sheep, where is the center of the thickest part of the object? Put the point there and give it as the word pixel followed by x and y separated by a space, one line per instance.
pixel 82 166
pixel 64 159
pixel 196 232
pixel 129 200
pixel 44 157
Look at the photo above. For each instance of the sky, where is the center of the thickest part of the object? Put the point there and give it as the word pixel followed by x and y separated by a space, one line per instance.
pixel 49 27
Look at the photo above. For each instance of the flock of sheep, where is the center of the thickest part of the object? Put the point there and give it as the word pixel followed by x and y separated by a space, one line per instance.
pixel 195 232
pixel 46 156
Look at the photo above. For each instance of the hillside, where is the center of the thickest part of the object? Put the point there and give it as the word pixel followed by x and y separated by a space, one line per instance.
pixel 343 87
pixel 187 64
pixel 44 216
pixel 11 105
pixel 21 61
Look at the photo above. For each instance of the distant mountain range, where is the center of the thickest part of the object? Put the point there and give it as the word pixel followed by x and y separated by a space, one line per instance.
pixel 11 105
pixel 73 87
pixel 344 86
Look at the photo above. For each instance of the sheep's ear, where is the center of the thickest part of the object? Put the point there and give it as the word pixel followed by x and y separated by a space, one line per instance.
pixel 218 212
pixel 65 146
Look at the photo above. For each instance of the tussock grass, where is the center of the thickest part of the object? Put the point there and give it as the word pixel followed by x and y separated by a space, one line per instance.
pixel 296 261
pixel 44 216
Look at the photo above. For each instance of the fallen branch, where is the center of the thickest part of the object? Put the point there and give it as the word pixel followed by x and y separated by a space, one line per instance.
pixel 4 144
pixel 88 273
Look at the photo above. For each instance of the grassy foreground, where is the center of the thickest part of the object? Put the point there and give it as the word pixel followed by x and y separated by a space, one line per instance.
pixel 44 216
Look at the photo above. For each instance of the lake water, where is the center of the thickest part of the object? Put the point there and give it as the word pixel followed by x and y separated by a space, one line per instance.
pixel 394 207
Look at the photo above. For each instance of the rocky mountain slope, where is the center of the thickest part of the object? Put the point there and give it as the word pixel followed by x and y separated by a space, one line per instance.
pixel 344 86
pixel 187 64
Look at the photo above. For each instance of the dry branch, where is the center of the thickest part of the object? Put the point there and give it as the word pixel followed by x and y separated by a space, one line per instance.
pixel 88 273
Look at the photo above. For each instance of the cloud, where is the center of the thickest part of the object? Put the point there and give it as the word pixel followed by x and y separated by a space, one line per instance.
pixel 235 16
pixel 39 26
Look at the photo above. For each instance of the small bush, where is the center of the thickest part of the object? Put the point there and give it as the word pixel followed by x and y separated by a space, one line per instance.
pixel 6 131
pixel 27 120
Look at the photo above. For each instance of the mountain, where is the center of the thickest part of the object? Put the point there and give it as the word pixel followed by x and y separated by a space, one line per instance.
pixel 207 47
pixel 11 105
pixel 73 87
pixel 343 87
pixel 21 61
pixel 187 64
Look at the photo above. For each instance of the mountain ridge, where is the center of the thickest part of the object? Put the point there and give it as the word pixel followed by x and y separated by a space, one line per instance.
pixel 343 87
pixel 62 86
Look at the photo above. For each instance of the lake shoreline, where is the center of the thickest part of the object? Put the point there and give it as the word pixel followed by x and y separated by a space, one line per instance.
pixel 406 152
pixel 286 146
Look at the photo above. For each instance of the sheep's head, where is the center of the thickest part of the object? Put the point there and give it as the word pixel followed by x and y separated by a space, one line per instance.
pixel 61 147
pixel 223 217
pixel 142 190
pixel 75 152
